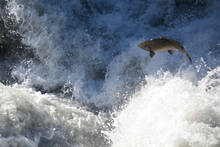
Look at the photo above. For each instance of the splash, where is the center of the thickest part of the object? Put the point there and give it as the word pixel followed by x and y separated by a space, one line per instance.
pixel 80 59
pixel 92 46
pixel 171 111
pixel 29 118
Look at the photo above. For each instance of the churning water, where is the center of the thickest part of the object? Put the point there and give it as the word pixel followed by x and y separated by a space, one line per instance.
pixel 72 75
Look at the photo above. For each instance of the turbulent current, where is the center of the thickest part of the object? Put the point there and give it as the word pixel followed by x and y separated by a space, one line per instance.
pixel 72 75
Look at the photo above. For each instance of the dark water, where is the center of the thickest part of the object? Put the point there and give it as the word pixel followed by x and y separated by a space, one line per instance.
pixel 74 76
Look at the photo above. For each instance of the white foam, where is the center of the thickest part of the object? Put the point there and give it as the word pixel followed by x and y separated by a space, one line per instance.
pixel 75 45
pixel 73 39
pixel 171 112
pixel 28 116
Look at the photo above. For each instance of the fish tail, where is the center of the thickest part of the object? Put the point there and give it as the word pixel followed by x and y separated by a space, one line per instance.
pixel 187 55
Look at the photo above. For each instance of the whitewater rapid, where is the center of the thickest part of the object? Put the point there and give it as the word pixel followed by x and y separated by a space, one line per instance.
pixel 171 111
pixel 71 74
pixel 28 117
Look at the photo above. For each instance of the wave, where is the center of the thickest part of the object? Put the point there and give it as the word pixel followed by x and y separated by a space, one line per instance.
pixel 30 118
pixel 171 112
pixel 77 44
pixel 63 62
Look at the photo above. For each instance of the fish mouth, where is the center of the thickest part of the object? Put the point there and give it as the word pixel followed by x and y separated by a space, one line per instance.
pixel 140 45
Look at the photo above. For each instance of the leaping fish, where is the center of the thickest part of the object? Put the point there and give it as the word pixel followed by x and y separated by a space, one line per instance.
pixel 163 44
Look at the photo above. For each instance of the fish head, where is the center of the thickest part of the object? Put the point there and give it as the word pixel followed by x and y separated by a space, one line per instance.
pixel 144 45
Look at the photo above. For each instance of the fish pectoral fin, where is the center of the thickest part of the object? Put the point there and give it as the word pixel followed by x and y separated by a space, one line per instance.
pixel 170 52
pixel 152 53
